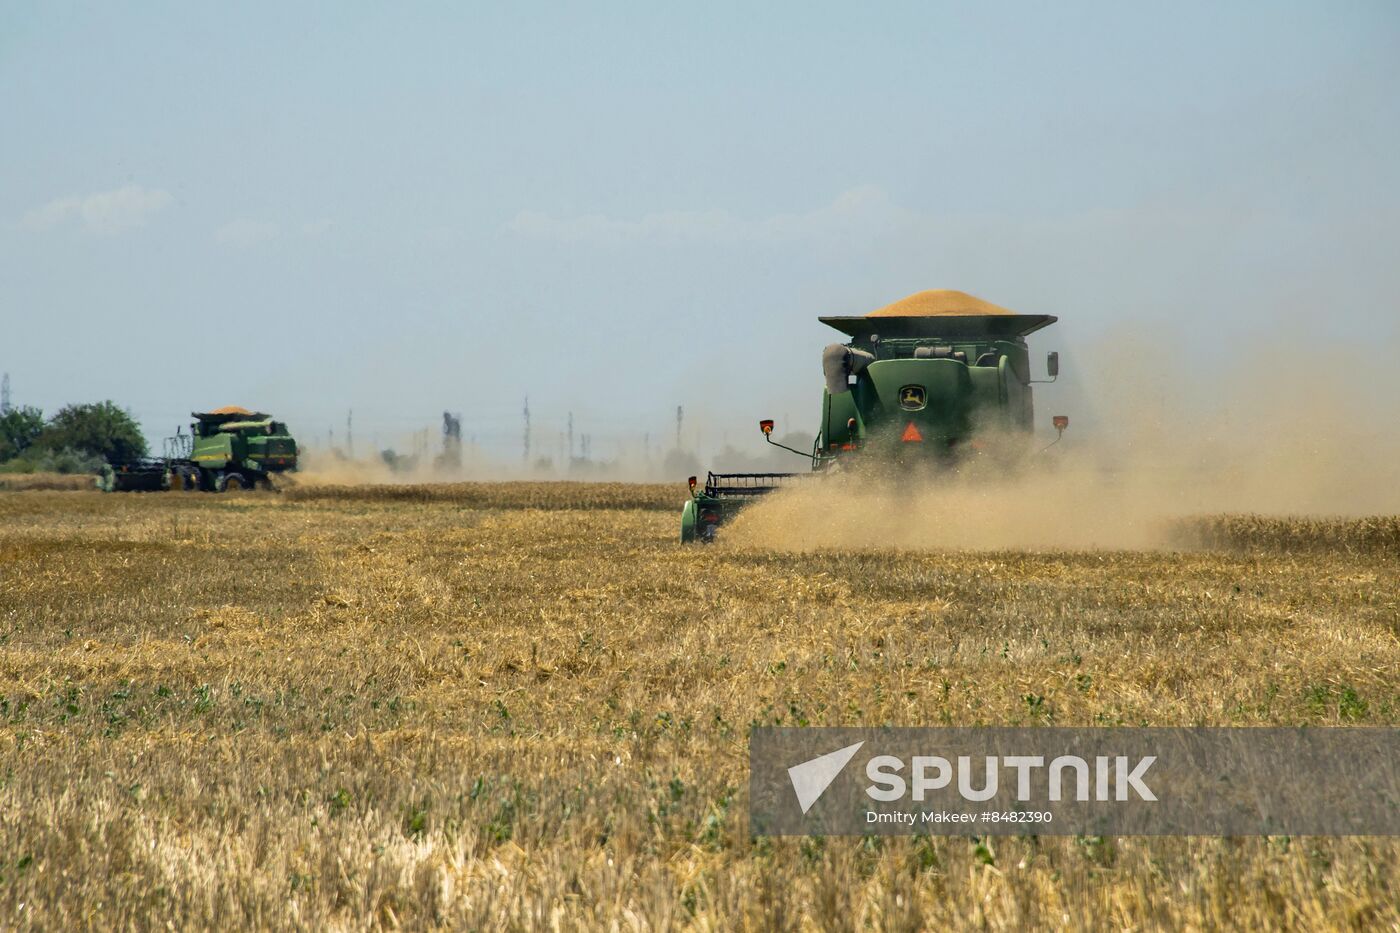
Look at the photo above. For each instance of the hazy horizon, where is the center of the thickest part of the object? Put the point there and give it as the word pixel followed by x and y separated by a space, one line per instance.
pixel 620 209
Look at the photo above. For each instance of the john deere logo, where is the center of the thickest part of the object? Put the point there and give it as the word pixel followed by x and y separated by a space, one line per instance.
pixel 912 398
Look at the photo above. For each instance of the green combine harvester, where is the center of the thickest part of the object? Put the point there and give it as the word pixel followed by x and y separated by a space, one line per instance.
pixel 227 449
pixel 929 383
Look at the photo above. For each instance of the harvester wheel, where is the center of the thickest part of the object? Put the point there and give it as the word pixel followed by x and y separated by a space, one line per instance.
pixel 231 482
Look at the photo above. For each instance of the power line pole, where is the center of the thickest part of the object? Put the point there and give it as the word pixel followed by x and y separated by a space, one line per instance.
pixel 5 395
pixel 452 439
pixel 680 416
pixel 527 430
pixel 349 437
pixel 571 437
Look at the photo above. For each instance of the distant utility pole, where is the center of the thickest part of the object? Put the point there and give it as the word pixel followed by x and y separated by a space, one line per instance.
pixel 452 439
pixel 680 416
pixel 527 430
pixel 349 436
pixel 571 436
pixel 5 394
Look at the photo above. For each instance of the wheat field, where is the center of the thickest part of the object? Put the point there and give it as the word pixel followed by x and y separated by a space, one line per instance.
pixel 524 706
pixel 24 482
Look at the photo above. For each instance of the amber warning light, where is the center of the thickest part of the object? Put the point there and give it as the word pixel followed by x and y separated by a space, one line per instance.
pixel 766 426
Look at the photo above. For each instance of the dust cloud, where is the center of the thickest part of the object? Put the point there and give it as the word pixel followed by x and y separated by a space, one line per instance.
pixel 1159 432
pixel 334 469
pixel 1292 432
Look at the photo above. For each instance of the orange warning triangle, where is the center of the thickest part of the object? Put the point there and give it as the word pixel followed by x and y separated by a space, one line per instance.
pixel 911 434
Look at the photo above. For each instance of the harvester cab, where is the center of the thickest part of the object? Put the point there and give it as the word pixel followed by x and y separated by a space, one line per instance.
pixel 927 383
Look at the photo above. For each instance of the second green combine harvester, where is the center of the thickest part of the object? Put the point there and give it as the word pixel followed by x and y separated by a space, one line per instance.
pixel 227 448
pixel 930 382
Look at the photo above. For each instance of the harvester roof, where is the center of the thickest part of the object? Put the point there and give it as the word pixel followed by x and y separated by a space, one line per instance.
pixel 941 313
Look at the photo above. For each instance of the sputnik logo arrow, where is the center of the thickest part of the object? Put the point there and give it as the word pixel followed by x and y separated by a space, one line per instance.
pixel 811 778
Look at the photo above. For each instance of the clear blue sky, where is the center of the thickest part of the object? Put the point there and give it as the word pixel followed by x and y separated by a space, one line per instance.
pixel 619 208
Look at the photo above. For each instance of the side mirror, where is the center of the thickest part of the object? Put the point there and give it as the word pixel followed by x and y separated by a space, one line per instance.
pixel 766 426
pixel 1052 364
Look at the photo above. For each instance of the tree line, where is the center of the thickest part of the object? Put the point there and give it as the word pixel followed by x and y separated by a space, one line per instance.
pixel 77 439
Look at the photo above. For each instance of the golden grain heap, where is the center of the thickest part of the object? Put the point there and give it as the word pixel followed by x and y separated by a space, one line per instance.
pixel 944 302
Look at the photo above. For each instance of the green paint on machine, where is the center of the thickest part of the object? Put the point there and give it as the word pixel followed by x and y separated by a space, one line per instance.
pixel 912 389
pixel 229 448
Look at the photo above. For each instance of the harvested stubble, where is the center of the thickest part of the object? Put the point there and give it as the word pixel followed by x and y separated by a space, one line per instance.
pixel 516 495
pixel 261 711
